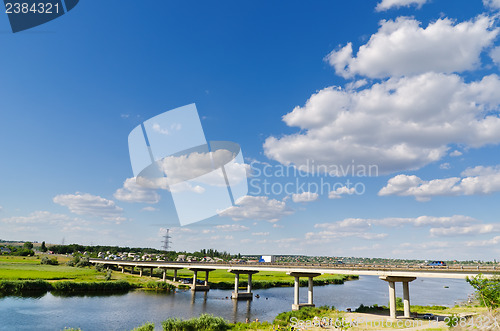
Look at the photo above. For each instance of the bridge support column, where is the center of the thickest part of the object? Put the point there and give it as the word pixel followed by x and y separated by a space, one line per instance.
pixel 164 275
pixel 236 284
pixel 151 272
pixel 123 269
pixel 392 299
pixel 310 292
pixel 195 275
pixel 406 299
pixel 205 286
pixel 237 295
pixel 296 305
pixel 296 292
pixel 392 280
pixel 175 275
pixel 249 284
pixel 140 271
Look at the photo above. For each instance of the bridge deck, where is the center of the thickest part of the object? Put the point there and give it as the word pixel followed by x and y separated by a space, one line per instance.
pixel 459 272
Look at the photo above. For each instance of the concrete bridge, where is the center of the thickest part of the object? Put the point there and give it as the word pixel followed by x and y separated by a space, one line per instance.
pixel 389 273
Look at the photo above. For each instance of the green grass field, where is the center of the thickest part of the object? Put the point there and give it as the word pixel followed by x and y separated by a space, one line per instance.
pixel 16 267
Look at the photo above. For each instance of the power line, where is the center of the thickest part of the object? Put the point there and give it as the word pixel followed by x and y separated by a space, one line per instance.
pixel 166 241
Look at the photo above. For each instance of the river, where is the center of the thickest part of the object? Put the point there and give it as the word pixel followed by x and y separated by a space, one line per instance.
pixel 126 311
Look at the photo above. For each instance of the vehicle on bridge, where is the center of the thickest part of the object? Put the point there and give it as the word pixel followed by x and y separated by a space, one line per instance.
pixel 267 258
pixel 437 264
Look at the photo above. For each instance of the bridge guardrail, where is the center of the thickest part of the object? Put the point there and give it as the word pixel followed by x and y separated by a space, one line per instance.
pixel 384 267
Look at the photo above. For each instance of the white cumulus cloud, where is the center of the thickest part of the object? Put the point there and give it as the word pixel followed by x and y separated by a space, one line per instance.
pixel 133 192
pixel 364 224
pixel 305 197
pixel 494 4
pixel 399 124
pixel 363 228
pixel 388 4
pixel 495 55
pixel 231 227
pixel 403 47
pixel 484 243
pixel 471 230
pixel 337 193
pixel 88 204
pixel 474 181
pixel 42 220
pixel 257 208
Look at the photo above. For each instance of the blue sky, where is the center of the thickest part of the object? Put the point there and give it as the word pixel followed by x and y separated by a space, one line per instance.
pixel 408 86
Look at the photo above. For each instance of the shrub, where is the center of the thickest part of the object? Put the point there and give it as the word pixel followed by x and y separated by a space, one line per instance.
pixel 83 262
pixel 399 303
pixel 306 313
pixel 50 261
pixel 108 275
pixel 251 326
pixel 145 327
pixel 24 252
pixel 28 245
pixel 174 324
pixel 204 322
pixel 18 287
pixel 159 286
pixel 453 320
pixel 75 287
pixel 99 267
pixel 78 261
pixel 210 322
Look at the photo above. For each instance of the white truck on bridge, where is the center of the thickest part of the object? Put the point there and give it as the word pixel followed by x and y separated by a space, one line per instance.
pixel 267 258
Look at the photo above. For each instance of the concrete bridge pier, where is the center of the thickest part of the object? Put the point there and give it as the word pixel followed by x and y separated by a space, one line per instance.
pixel 392 280
pixel 237 295
pixel 195 287
pixel 310 303
pixel 151 272
pixel 140 271
pixel 164 274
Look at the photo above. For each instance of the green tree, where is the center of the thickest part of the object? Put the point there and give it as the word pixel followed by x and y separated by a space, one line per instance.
pixel 43 248
pixel 487 290
pixel 28 245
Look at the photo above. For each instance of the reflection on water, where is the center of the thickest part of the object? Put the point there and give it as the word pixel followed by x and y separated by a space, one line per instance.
pixel 115 294
pixel 126 311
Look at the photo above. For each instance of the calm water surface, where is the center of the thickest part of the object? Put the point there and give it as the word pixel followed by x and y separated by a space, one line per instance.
pixel 124 312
